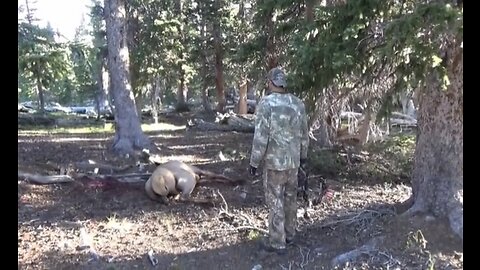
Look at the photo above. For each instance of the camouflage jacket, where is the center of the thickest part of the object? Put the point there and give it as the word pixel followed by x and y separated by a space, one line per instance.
pixel 281 132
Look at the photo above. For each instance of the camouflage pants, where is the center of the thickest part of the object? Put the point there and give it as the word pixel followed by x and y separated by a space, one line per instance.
pixel 281 199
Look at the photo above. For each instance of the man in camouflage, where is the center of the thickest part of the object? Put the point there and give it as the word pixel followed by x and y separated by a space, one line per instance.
pixel 280 141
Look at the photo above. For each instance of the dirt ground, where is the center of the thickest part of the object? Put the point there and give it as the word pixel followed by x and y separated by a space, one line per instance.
pixel 123 225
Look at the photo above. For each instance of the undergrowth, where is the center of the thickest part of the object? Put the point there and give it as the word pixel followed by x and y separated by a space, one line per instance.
pixel 390 160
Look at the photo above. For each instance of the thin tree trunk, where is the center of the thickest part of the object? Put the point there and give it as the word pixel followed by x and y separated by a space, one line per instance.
pixel 319 119
pixel 271 56
pixel 41 97
pixel 181 87
pixel 243 83
pixel 204 69
pixel 437 180
pixel 323 103
pixel 219 82
pixel 181 105
pixel 128 131
pixel 132 32
pixel 99 97
pixel 242 100
pixel 309 9
pixel 139 103
pixel 155 93
pixel 205 100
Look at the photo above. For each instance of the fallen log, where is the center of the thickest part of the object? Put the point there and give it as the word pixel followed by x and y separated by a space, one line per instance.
pixel 226 122
pixel 125 178
pixel 56 179
pixel 199 124
pixel 45 179
pixel 403 116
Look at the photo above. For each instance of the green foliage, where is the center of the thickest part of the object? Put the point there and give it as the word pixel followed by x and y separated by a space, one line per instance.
pixel 327 163
pixel 347 47
pixel 389 160
pixel 41 60
pixel 349 44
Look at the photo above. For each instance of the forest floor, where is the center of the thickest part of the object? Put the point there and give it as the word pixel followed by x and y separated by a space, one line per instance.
pixel 123 225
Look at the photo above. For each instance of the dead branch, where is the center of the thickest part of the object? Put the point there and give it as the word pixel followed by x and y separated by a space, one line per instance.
pixel 358 217
pixel 225 209
pixel 290 264
pixel 305 257
pixel 403 122
pixel 93 165
pixel 239 228
pixel 45 179
pixel 246 218
pixel 143 176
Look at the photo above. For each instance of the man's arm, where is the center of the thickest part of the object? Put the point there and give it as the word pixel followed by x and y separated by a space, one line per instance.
pixel 305 139
pixel 260 137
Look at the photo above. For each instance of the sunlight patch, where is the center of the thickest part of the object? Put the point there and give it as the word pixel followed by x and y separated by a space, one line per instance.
pixel 193 146
pixel 162 127
pixel 185 158
pixel 116 224
pixel 73 139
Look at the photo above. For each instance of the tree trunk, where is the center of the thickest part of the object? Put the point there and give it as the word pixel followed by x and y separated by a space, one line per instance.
pixel 138 103
pixel 128 132
pixel 309 13
pixel 204 70
pixel 319 119
pixel 437 180
pixel 155 94
pixel 217 39
pixel 181 105
pixel 364 130
pixel 242 105
pixel 271 56
pixel 41 97
pixel 242 100
pixel 99 97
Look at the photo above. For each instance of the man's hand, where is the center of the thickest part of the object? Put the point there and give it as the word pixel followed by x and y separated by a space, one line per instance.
pixel 252 170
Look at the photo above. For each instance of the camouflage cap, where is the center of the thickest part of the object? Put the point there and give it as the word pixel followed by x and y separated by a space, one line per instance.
pixel 277 76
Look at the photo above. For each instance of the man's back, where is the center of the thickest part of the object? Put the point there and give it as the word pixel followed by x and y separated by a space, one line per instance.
pixel 281 131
